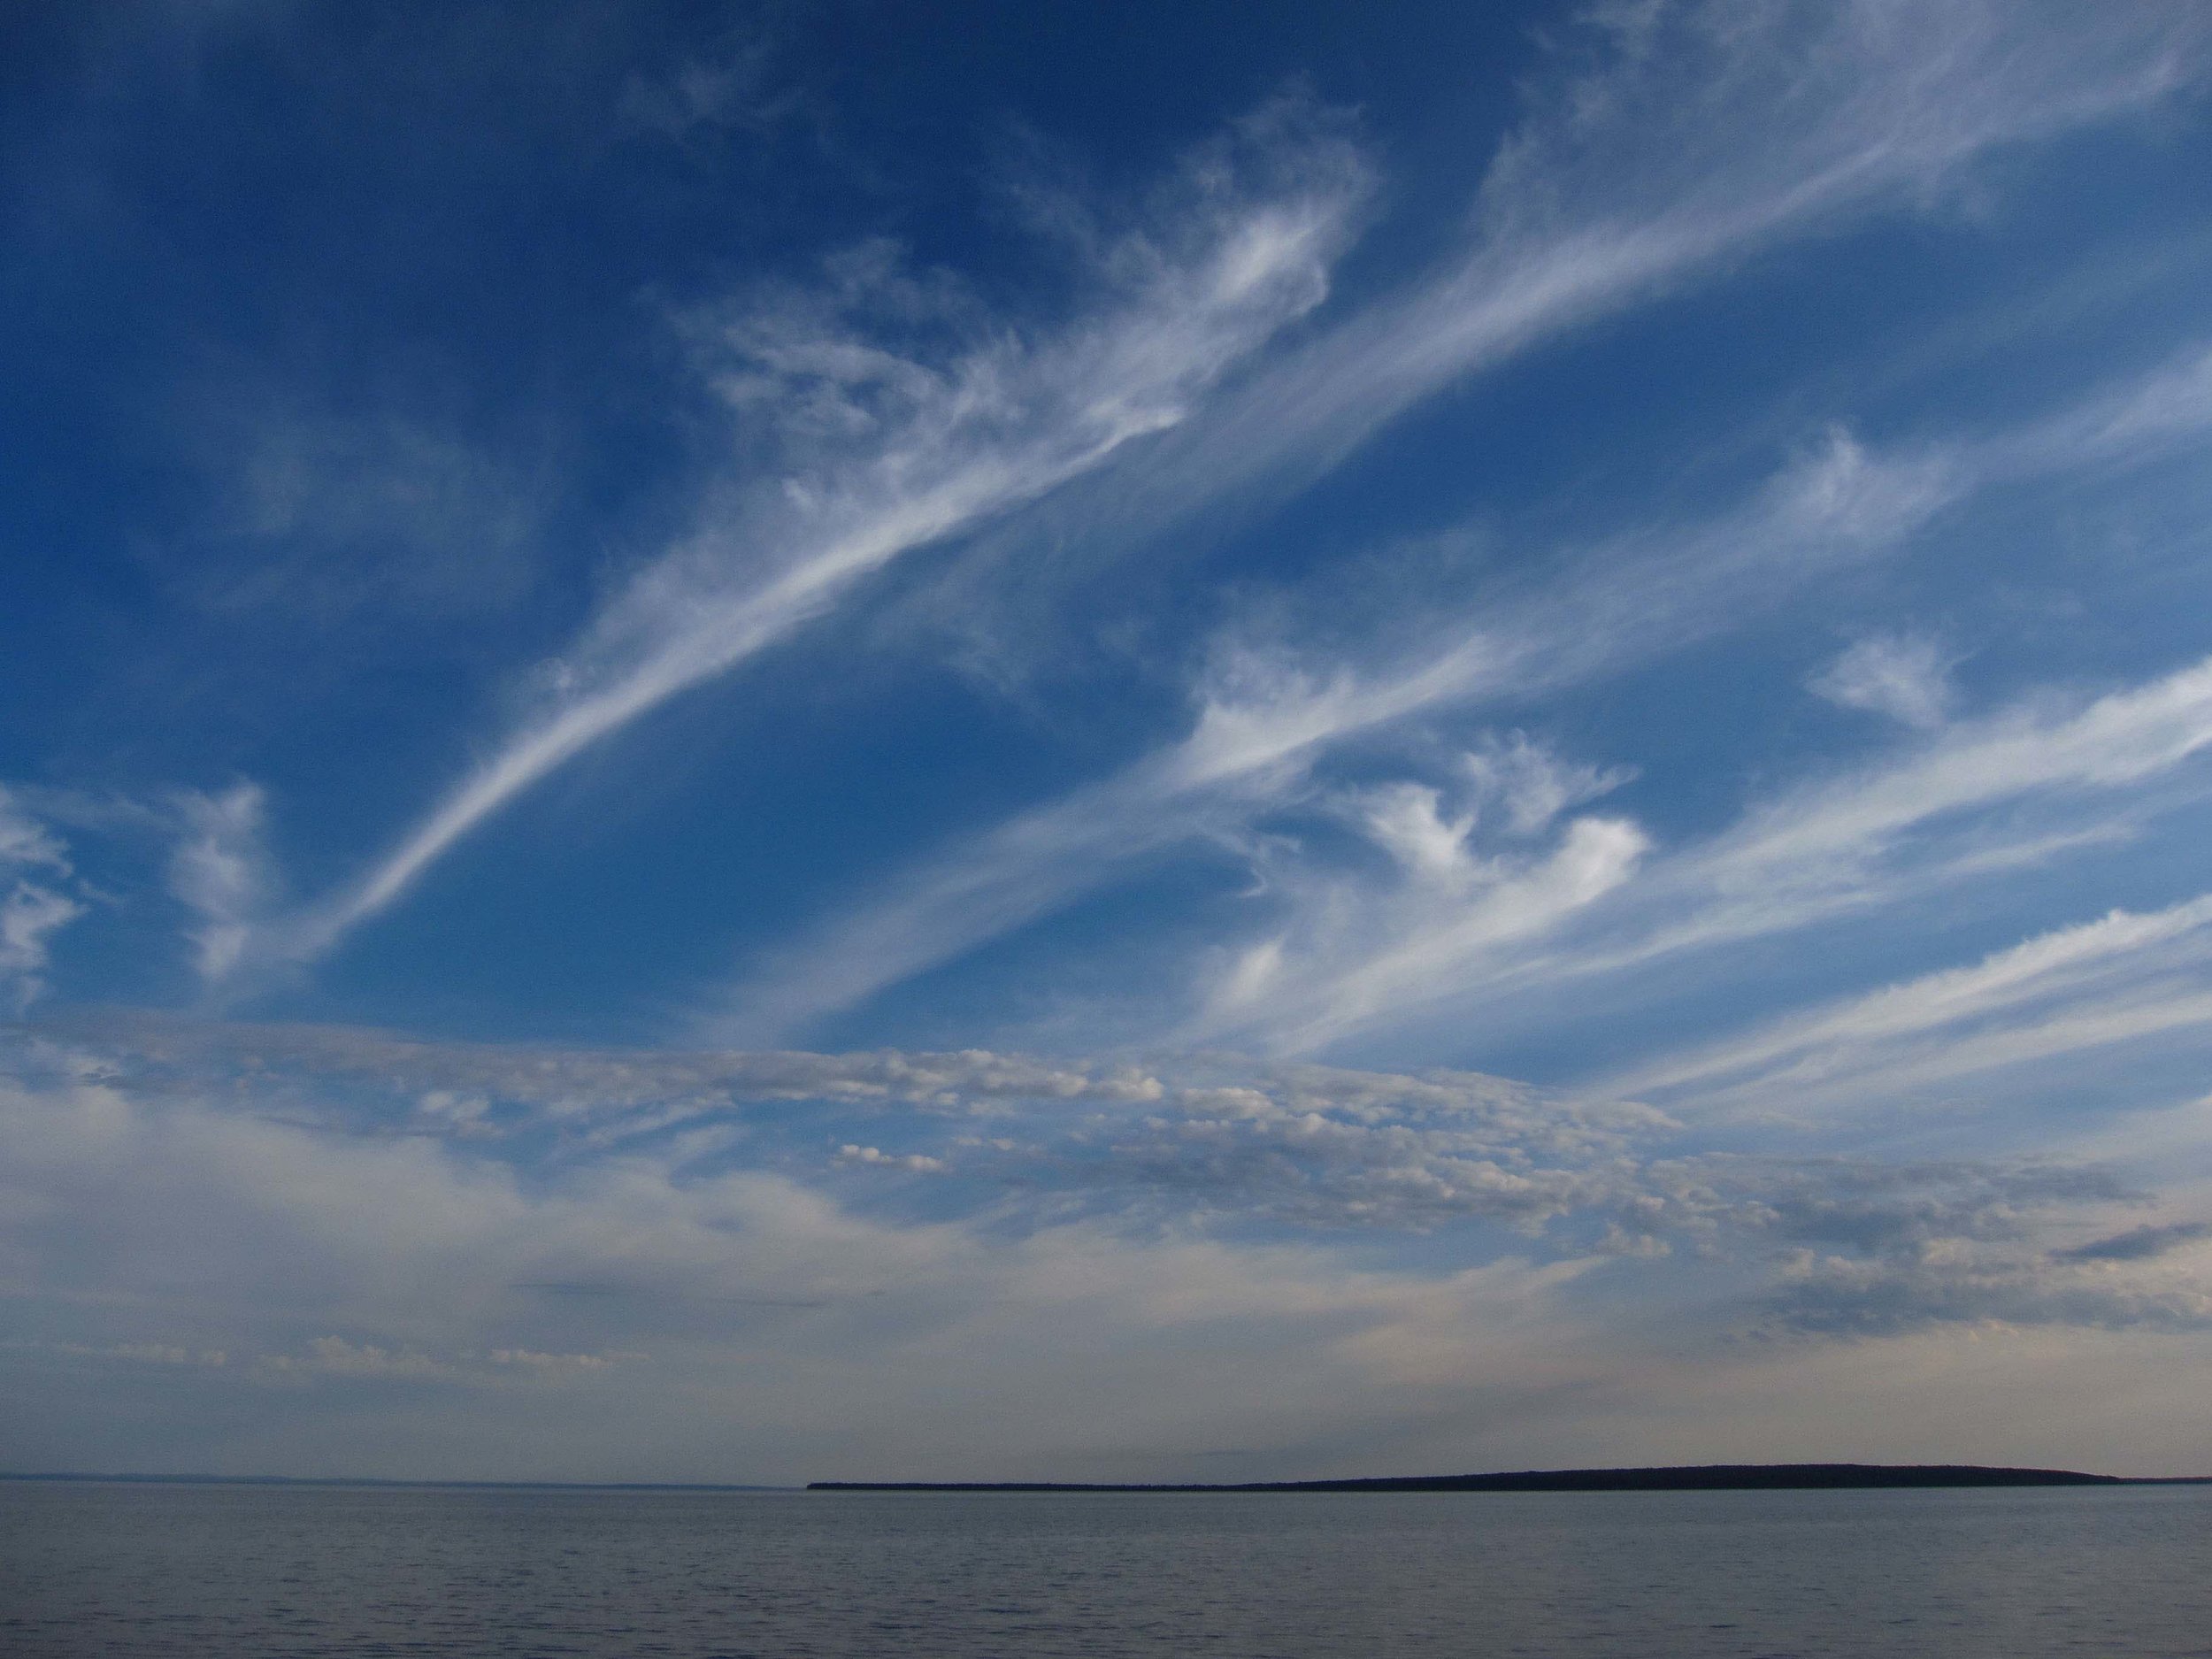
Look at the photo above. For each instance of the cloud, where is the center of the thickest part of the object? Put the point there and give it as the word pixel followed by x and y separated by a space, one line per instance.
pixel 1949 1284
pixel 917 431
pixel 1097 1286
pixel 1263 719
pixel 392 509
pixel 128 1353
pixel 1266 717
pixel 737 86
pixel 1666 154
pixel 1532 784
pixel 333 1356
pixel 220 869
pixel 1907 679
pixel 1354 954
pixel 1869 834
pixel 875 1157
pixel 25 844
pixel 1235 1141
pixel 2138 1244
pixel 31 910
pixel 1723 128
pixel 30 915
pixel 471 1088
pixel 2007 792
pixel 2123 975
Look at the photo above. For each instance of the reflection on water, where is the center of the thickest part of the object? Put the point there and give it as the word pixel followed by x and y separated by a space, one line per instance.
pixel 124 1571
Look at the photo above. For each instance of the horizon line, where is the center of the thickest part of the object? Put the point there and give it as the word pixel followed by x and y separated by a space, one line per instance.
pixel 1643 1477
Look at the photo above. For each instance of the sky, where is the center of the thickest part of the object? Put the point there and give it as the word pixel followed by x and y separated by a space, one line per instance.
pixel 1179 741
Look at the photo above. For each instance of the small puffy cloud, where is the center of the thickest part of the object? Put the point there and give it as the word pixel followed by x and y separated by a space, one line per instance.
pixel 1532 784
pixel 33 862
pixel 1900 675
pixel 875 1157
pixel 25 842
pixel 219 872
pixel 1407 821
pixel 30 915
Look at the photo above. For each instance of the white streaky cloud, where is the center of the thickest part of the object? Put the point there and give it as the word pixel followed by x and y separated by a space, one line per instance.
pixel 1531 783
pixel 2164 411
pixel 2139 1023
pixel 1719 128
pixel 1820 843
pixel 1845 1038
pixel 220 871
pixel 875 1157
pixel 1709 131
pixel 30 915
pixel 1913 823
pixel 890 452
pixel 1907 679
pixel 1354 946
pixel 1355 957
pixel 25 842
pixel 1263 719
pixel 32 907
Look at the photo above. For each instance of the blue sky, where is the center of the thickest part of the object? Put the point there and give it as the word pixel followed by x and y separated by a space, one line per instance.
pixel 1185 741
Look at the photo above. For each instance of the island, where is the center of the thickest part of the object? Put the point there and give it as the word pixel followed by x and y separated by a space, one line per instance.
pixel 1695 1478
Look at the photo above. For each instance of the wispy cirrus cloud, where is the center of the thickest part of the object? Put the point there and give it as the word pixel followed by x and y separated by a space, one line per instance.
pixel 2003 793
pixel 2124 977
pixel 1703 132
pixel 33 906
pixel 1903 677
pixel 1264 720
pixel 899 423
pixel 1690 137
pixel 220 869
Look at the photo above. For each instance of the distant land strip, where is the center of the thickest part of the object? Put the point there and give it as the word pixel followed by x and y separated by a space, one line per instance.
pixel 1699 1477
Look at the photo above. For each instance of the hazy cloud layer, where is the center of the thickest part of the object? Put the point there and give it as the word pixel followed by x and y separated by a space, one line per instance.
pixel 176 1226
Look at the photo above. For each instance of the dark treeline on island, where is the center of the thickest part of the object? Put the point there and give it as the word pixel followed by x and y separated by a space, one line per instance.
pixel 1701 1478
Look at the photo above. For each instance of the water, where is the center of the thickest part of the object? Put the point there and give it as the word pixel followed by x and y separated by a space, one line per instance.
pixel 236 1572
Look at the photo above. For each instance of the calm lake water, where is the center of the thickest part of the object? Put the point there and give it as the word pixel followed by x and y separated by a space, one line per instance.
pixel 122 1570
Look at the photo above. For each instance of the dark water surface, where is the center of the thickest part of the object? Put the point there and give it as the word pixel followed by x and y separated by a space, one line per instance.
pixel 218 1572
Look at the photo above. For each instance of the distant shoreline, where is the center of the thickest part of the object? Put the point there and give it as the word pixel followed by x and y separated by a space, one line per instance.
pixel 1695 1478
pixel 1686 1478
